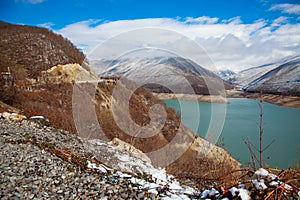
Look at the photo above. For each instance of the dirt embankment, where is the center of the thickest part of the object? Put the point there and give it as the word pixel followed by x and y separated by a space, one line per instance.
pixel 192 97
pixel 7 108
pixel 281 100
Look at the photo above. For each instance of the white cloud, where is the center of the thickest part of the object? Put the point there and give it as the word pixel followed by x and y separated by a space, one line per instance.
pixel 264 2
pixel 202 20
pixel 31 1
pixel 36 1
pixel 280 20
pixel 229 43
pixel 287 8
pixel 46 25
pixel 234 20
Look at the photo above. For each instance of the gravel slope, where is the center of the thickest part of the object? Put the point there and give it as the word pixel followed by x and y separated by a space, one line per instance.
pixel 39 162
pixel 29 171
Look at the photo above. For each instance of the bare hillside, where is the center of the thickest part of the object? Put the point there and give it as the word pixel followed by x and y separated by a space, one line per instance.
pixel 28 50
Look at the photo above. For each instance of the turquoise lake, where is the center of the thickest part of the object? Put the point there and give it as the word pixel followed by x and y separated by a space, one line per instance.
pixel 281 124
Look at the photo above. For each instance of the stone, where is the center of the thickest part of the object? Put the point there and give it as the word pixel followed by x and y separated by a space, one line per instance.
pixel 124 195
pixel 59 191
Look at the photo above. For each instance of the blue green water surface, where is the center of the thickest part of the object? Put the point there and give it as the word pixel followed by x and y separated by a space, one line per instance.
pixel 281 124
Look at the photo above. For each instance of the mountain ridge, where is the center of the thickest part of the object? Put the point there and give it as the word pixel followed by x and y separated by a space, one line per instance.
pixel 282 77
pixel 165 74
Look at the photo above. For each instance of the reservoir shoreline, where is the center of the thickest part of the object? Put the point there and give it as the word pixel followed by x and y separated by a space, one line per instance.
pixel 192 97
pixel 281 100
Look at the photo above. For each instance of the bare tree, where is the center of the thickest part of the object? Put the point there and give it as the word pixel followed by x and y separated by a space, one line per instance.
pixel 254 157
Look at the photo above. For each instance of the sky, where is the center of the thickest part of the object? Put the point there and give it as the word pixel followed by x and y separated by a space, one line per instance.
pixel 235 34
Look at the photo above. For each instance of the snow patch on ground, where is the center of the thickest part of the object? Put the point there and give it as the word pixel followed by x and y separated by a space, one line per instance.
pixel 135 166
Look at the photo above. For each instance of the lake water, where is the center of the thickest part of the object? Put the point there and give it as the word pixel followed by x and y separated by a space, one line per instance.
pixel 281 124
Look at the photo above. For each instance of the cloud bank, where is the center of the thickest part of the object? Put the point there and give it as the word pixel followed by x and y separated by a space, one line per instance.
pixel 230 43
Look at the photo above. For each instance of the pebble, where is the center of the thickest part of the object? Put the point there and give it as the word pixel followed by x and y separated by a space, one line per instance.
pixel 59 192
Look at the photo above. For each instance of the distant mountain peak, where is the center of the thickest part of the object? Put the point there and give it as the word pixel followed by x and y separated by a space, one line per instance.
pixel 227 75
pixel 161 73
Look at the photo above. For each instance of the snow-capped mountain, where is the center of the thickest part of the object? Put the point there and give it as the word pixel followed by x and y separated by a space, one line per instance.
pixel 164 74
pixel 245 77
pixel 227 75
pixel 282 77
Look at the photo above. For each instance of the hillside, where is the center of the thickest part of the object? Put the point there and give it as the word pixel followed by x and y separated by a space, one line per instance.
pixel 28 50
pixel 165 74
pixel 55 102
pixel 282 77
pixel 285 79
pixel 245 77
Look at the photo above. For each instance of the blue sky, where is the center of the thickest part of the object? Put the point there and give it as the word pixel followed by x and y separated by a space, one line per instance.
pixel 249 32
pixel 61 13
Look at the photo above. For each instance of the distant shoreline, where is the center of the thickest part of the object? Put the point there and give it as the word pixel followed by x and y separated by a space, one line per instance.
pixel 281 100
pixel 192 97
